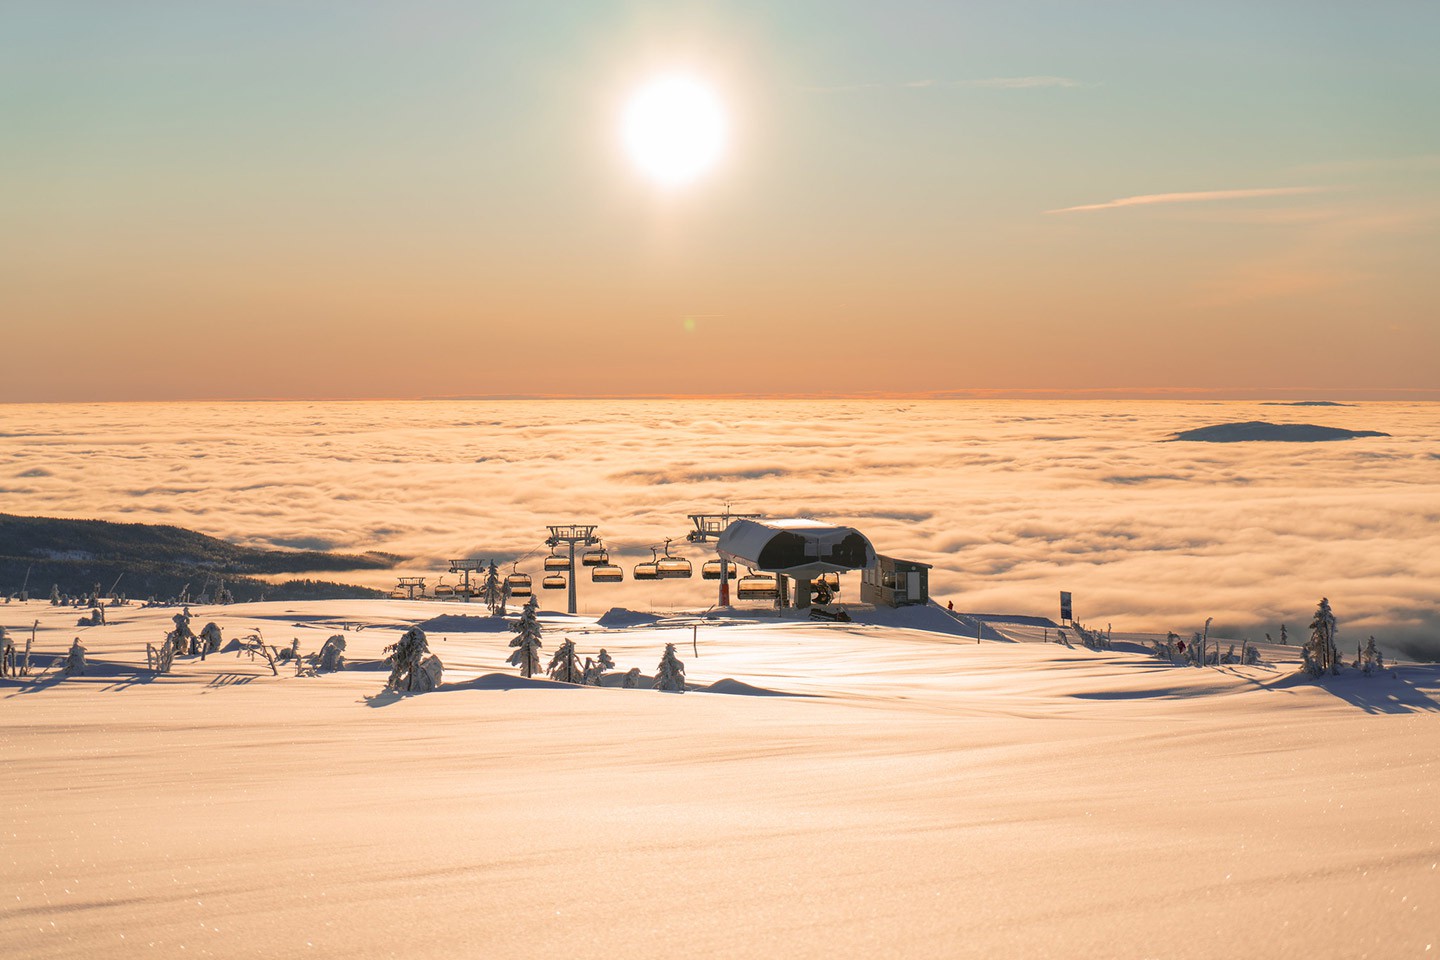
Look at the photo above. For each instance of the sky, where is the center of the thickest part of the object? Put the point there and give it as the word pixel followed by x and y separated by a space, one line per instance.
pixel 431 199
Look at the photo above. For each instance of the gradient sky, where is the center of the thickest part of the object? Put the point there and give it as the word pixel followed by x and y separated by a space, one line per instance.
pixel 348 199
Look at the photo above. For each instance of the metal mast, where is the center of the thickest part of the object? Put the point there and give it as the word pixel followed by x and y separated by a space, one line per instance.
pixel 572 533
pixel 709 526
pixel 464 567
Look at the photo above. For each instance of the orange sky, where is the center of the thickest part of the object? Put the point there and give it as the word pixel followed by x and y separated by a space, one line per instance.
pixel 350 201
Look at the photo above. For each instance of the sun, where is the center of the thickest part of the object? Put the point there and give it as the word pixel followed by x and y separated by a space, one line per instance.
pixel 674 128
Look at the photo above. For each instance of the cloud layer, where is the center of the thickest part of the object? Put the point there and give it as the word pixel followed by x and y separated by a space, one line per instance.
pixel 1012 501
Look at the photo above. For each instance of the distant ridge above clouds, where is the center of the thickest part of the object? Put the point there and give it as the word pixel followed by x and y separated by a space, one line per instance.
pixel 1275 432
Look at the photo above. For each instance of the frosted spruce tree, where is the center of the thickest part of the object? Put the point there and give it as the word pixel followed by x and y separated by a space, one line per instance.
pixel 1321 657
pixel 670 675
pixel 527 640
pixel 414 669
pixel 565 665
pixel 491 593
pixel 595 669
pixel 75 659
pixel 1370 659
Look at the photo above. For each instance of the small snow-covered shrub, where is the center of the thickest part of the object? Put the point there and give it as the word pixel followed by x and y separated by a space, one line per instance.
pixel 1166 649
pixel 210 639
pixel 7 653
pixel 413 666
pixel 75 659
pixel 160 659
pixel 595 669
pixel 670 675
pixel 631 680
pixel 1371 660
pixel 565 665
pixel 332 655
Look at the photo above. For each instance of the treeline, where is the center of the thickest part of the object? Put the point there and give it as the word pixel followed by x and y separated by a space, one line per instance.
pixel 159 560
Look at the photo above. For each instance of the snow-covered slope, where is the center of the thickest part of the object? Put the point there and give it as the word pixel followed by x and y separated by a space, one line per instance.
pixel 868 789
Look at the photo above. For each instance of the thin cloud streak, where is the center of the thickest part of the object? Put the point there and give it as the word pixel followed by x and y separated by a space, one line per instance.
pixel 992 83
pixel 1203 196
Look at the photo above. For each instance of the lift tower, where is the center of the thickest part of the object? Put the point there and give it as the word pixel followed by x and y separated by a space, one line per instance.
pixel 464 567
pixel 709 526
pixel 572 533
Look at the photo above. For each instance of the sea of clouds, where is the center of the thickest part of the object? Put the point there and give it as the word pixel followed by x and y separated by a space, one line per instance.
pixel 1011 501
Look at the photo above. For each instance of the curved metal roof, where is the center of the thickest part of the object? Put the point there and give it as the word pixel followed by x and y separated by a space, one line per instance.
pixel 796 547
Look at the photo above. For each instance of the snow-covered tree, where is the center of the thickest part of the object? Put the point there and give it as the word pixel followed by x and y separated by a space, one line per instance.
pixel 7 653
pixel 1166 649
pixel 670 675
pixel 210 639
pixel 1323 657
pixel 75 659
pixel 1284 636
pixel 491 593
pixel 595 669
pixel 413 667
pixel 1371 661
pixel 631 680
pixel 527 640
pixel 332 654
pixel 185 640
pixel 160 658
pixel 55 595
pixel 565 665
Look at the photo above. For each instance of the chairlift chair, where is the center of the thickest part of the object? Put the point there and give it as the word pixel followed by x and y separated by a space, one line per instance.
pixel 443 589
pixel 831 579
pixel 517 584
pixel 757 586
pixel 650 569
pixel 673 568
pixel 597 557
pixel 712 569
pixel 556 562
pixel 607 573
pixel 553 582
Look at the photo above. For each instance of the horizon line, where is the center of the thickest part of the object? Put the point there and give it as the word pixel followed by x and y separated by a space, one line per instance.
pixel 1230 394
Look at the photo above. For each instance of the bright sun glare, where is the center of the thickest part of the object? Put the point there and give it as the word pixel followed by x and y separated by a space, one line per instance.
pixel 674 128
